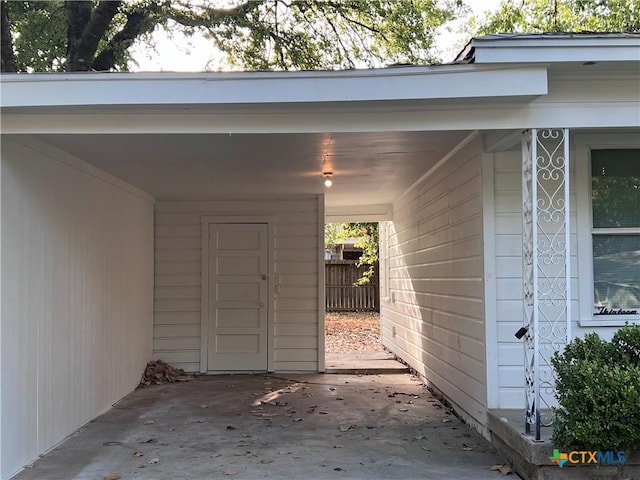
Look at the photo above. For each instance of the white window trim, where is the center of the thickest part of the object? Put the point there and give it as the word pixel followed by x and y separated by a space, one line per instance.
pixel 584 143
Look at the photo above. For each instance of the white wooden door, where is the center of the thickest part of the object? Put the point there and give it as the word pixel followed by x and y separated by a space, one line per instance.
pixel 238 309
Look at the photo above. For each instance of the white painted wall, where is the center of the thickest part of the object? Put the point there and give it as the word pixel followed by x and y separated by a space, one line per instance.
pixel 507 168
pixel 507 205
pixel 1 383
pixel 77 283
pixel 434 315
pixel 178 278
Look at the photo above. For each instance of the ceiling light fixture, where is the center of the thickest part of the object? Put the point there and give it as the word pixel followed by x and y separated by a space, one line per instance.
pixel 327 179
pixel 327 171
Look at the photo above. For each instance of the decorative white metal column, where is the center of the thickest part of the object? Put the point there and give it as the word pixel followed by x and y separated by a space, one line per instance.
pixel 546 266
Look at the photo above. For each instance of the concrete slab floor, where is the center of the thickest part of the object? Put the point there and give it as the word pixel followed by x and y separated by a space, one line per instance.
pixel 279 426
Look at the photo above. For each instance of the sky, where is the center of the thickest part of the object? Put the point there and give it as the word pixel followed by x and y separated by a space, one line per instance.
pixel 182 54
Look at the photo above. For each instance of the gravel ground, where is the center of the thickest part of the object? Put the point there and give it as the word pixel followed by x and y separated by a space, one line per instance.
pixel 352 331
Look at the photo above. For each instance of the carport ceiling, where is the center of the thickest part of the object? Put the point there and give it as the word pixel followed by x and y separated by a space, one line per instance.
pixel 368 168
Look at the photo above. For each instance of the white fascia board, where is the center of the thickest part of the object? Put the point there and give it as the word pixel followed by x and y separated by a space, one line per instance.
pixel 557 55
pixel 411 83
pixel 563 49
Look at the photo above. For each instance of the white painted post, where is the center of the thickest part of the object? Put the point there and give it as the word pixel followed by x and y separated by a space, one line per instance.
pixel 546 266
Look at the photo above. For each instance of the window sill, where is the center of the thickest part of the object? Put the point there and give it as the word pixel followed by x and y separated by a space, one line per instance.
pixel 610 321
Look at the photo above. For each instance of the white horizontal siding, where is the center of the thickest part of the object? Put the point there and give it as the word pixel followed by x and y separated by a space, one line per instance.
pixel 507 168
pixel 77 286
pixel 178 278
pixel 434 315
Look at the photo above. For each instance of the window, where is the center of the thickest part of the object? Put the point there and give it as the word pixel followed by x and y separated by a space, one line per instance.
pixel 615 232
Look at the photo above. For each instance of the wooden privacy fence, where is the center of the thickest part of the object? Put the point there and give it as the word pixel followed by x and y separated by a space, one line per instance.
pixel 341 293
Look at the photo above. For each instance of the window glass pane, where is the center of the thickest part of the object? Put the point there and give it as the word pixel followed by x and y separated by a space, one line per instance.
pixel 616 272
pixel 616 188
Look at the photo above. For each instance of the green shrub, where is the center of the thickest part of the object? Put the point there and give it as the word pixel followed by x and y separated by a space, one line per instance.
pixel 598 390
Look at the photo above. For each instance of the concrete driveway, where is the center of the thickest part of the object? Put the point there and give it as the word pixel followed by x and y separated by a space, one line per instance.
pixel 277 427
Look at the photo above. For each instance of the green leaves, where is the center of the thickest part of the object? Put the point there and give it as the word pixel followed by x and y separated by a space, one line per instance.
pixel 40 35
pixel 367 238
pixel 252 34
pixel 598 388
pixel 532 16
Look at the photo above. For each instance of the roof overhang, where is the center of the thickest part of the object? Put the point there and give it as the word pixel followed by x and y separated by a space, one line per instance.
pixel 551 48
pixel 399 84
pixel 183 136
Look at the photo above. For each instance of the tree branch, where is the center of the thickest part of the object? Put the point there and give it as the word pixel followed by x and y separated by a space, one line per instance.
pixel 339 39
pixel 79 17
pixel 211 17
pixel 360 24
pixel 78 14
pixel 8 55
pixel 95 28
pixel 135 26
pixel 343 9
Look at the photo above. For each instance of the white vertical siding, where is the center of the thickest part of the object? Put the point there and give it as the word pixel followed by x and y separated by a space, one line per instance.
pixel 434 317
pixel 178 277
pixel 508 267
pixel 77 283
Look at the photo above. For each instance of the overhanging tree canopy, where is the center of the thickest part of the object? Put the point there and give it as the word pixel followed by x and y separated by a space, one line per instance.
pixel 537 16
pixel 255 34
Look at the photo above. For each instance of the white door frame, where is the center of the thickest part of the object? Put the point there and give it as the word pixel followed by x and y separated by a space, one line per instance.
pixel 206 221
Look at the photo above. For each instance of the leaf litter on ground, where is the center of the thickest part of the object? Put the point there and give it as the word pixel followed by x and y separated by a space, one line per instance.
pixel 352 331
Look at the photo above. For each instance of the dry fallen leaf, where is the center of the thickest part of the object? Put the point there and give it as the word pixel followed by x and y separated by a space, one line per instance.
pixel 112 477
pixel 266 461
pixel 31 465
pixel 150 440
pixel 446 420
pixel 230 472
pixel 345 428
pixel 149 422
pixel 138 453
pixel 503 469
pixel 284 452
